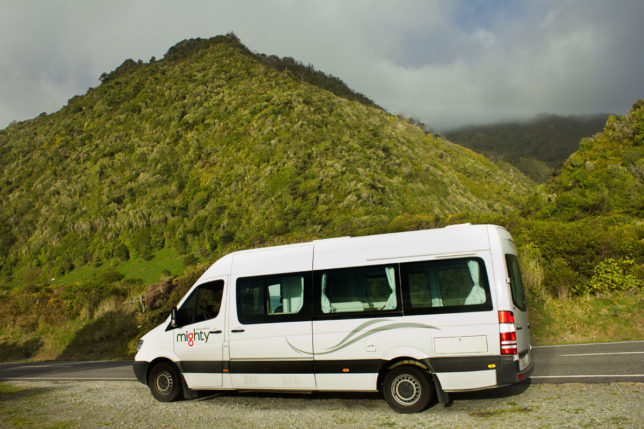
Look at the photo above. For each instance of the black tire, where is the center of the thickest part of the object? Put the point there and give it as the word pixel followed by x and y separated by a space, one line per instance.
pixel 164 382
pixel 408 389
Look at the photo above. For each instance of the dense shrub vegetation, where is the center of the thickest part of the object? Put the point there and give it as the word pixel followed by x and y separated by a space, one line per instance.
pixel 209 149
pixel 169 164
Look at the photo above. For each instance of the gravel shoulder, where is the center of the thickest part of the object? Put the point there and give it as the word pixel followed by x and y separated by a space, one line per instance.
pixel 129 404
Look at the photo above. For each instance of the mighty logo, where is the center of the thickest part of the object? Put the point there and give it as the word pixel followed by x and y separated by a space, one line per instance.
pixel 191 337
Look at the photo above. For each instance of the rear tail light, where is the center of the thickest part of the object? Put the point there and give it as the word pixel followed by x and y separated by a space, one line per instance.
pixel 507 333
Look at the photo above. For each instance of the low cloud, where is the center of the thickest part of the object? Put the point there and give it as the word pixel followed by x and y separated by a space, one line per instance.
pixel 446 63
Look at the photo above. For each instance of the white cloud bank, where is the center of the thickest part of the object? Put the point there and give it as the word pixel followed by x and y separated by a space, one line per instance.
pixel 446 63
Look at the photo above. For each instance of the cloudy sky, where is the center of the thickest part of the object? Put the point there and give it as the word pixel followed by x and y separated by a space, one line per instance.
pixel 447 63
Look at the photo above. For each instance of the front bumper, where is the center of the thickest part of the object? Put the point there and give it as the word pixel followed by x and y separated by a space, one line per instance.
pixel 141 371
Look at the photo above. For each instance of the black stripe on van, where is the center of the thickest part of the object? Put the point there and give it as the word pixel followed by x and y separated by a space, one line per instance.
pixel 460 364
pixel 364 366
pixel 272 367
pixel 206 366
pixel 284 367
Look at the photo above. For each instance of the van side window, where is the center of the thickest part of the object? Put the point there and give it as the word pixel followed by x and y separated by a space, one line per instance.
pixel 455 285
pixel 203 304
pixel 274 298
pixel 516 281
pixel 357 290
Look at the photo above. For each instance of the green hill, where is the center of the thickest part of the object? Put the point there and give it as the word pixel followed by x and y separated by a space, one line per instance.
pixel 588 219
pixel 581 240
pixel 537 147
pixel 169 164
pixel 586 222
pixel 605 176
pixel 210 149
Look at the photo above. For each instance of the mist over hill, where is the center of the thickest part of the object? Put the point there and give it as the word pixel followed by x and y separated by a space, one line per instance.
pixel 213 148
pixel 537 146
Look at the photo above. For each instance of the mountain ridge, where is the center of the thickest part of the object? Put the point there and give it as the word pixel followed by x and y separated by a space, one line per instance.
pixel 209 149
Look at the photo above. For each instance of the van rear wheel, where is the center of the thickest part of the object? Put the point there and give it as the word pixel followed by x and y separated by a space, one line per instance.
pixel 164 382
pixel 407 389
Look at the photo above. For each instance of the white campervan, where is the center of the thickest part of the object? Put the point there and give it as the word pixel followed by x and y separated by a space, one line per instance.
pixel 411 314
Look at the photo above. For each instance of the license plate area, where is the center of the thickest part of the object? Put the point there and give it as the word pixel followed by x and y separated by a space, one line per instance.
pixel 524 360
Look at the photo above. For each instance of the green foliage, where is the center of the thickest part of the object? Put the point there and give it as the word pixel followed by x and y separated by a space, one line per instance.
pixel 211 150
pixel 122 252
pixel 586 221
pixel 612 275
pixel 105 337
pixel 604 177
pixel 189 260
pixel 315 77
pixel 561 278
pixel 584 319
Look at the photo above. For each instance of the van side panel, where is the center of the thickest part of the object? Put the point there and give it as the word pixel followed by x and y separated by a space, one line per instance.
pixel 365 343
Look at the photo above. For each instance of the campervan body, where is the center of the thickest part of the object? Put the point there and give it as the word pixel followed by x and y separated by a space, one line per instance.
pixel 415 315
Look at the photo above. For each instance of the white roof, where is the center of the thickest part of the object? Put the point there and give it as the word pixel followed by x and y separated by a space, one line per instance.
pixel 455 240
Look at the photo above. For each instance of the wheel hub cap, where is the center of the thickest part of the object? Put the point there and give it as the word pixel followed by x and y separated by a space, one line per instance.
pixel 406 389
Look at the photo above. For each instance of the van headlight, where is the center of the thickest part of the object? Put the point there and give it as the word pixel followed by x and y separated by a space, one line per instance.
pixel 139 345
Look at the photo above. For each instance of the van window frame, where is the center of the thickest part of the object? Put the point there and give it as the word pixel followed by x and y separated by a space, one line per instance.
pixel 516 287
pixel 409 310
pixel 318 314
pixel 304 314
pixel 188 316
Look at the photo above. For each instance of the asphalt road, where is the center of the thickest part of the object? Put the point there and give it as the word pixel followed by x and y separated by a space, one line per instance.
pixel 578 363
pixel 590 363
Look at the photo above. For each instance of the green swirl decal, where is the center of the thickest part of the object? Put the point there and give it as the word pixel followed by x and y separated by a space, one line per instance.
pixel 357 334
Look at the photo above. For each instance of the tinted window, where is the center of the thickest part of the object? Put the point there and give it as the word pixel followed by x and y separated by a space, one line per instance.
pixel 446 286
pixel 516 281
pixel 274 298
pixel 203 303
pixel 357 290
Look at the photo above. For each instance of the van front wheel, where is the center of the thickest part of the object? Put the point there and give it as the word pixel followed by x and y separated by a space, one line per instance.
pixel 164 382
pixel 407 389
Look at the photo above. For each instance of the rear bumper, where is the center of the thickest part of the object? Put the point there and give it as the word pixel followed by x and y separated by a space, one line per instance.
pixel 509 371
pixel 480 372
pixel 141 371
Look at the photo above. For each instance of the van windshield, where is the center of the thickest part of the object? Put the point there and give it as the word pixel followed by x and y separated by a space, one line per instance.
pixel 516 282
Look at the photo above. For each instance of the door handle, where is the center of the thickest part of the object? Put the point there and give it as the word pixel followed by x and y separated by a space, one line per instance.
pixel 238 330
pixel 218 331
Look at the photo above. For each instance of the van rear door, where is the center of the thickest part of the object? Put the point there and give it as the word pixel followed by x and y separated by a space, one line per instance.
pixel 519 308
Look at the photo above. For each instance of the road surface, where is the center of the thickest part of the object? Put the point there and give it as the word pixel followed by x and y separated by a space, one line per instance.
pixel 590 363
pixel 578 363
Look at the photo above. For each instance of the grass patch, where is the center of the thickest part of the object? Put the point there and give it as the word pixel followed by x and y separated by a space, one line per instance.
pixel 498 412
pixel 7 389
pixel 150 271
pixel 108 336
pixel 17 408
pixel 13 409
pixel 587 319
